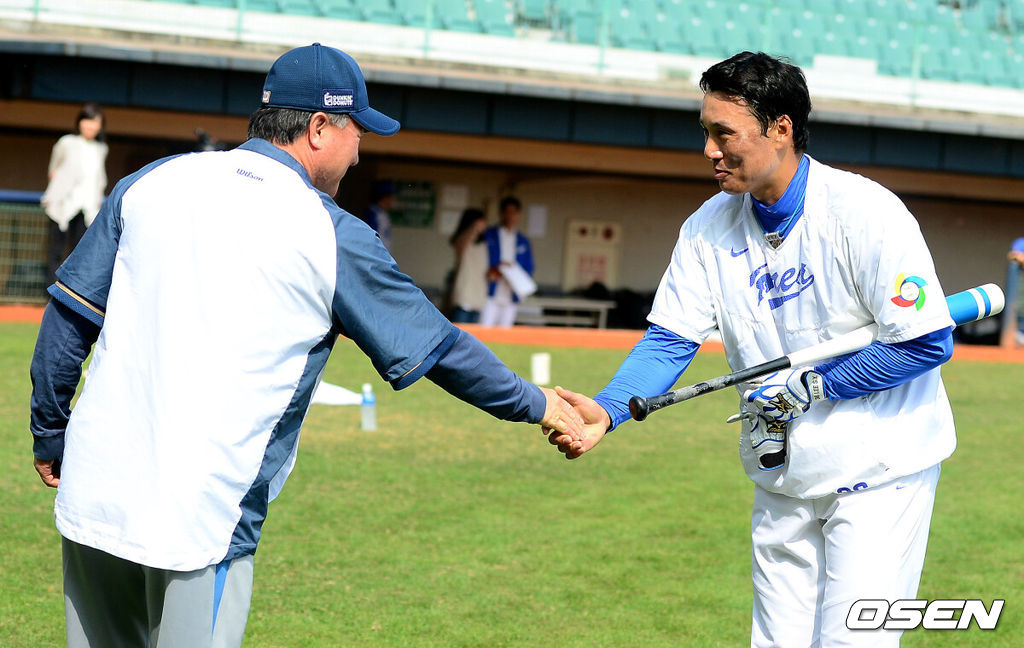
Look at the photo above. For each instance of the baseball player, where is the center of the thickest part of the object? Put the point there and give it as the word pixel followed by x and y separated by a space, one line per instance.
pixel 845 455
pixel 214 286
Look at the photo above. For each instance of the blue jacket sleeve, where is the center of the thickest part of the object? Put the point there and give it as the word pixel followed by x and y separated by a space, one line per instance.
pixel 524 253
pixel 471 372
pixel 65 338
pixel 880 366
pixel 651 368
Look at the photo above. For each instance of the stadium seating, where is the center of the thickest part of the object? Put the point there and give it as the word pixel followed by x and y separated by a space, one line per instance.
pixel 969 41
pixel 495 17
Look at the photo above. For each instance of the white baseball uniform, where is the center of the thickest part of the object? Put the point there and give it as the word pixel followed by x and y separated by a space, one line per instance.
pixel 856 256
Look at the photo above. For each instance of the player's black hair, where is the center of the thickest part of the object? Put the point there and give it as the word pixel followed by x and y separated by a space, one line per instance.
pixel 770 86
pixel 92 110
pixel 469 216
pixel 510 200
pixel 284 125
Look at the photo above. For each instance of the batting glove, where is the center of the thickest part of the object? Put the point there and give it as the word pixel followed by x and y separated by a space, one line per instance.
pixel 767 438
pixel 785 395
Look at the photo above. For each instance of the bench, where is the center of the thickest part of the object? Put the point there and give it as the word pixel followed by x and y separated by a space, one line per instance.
pixel 564 311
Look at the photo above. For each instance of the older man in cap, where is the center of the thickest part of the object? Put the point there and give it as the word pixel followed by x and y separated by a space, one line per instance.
pixel 214 286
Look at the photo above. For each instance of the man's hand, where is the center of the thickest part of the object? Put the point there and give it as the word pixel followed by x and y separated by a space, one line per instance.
pixel 560 417
pixel 595 423
pixel 785 395
pixel 47 470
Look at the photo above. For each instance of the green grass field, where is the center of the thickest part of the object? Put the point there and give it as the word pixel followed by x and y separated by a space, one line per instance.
pixel 449 528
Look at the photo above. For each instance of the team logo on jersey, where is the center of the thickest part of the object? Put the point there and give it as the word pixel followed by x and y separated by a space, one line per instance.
pixel 909 292
pixel 780 288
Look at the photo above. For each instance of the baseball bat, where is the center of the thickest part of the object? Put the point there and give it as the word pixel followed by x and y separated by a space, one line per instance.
pixel 967 306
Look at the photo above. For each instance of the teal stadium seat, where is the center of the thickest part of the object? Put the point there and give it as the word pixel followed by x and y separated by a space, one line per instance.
pixel 702 38
pixel 264 6
pixel 494 17
pixel 1015 14
pixel 994 68
pixel 413 12
pixel 453 15
pixel 535 11
pixel 842 26
pixel 1017 69
pixel 664 30
pixel 300 7
pixel 810 23
pixel 914 11
pixel 380 11
pixel 715 12
pixel 865 47
pixel 737 36
pixel 780 20
pixel 896 52
pixel 978 17
pixel 964 65
pixel 937 37
pixel 340 9
pixel 799 46
pixel 569 7
pixel 851 7
pixel 584 27
pixel 627 30
pixel 750 21
pixel 884 10
pixel 230 4
pixel 678 10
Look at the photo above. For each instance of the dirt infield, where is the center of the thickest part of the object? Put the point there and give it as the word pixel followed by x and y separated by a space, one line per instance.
pixel 580 337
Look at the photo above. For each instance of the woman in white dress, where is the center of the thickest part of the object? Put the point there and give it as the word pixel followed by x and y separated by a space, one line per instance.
pixel 469 290
pixel 77 182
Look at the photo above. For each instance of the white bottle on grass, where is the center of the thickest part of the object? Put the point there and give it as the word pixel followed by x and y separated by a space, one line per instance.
pixel 369 408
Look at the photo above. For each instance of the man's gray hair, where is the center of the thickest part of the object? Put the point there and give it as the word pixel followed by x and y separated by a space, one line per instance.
pixel 284 125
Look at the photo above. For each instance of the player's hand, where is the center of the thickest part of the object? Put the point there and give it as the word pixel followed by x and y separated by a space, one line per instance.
pixel 47 472
pixel 595 424
pixel 767 438
pixel 560 417
pixel 785 395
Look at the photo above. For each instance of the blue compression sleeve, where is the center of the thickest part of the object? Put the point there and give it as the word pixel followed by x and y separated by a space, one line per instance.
pixel 881 366
pixel 471 372
pixel 65 338
pixel 651 368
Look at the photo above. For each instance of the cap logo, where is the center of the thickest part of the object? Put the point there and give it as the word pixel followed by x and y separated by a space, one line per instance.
pixel 266 96
pixel 338 98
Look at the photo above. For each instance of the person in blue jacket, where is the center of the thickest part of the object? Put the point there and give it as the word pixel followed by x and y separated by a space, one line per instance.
pixel 506 246
pixel 210 290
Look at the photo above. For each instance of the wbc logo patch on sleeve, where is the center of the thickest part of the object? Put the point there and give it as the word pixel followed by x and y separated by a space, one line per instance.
pixel 909 292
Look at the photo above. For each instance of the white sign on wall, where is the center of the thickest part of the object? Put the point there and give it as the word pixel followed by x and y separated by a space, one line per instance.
pixel 592 252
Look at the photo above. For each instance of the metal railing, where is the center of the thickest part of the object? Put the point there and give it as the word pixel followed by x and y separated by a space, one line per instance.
pixel 24 236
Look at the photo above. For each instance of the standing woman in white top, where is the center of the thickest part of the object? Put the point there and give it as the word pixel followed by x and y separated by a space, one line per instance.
pixel 77 182
pixel 469 290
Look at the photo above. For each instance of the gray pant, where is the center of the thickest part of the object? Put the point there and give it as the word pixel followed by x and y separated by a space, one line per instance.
pixel 114 603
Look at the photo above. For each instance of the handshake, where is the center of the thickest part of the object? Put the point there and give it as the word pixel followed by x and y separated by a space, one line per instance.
pixel 573 422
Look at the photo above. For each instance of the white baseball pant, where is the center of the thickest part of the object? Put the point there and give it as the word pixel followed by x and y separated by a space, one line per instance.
pixel 812 559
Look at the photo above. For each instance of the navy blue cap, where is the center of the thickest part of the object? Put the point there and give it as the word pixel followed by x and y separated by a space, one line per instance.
pixel 315 78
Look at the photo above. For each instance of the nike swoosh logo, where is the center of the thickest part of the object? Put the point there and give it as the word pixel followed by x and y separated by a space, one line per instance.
pixel 733 251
